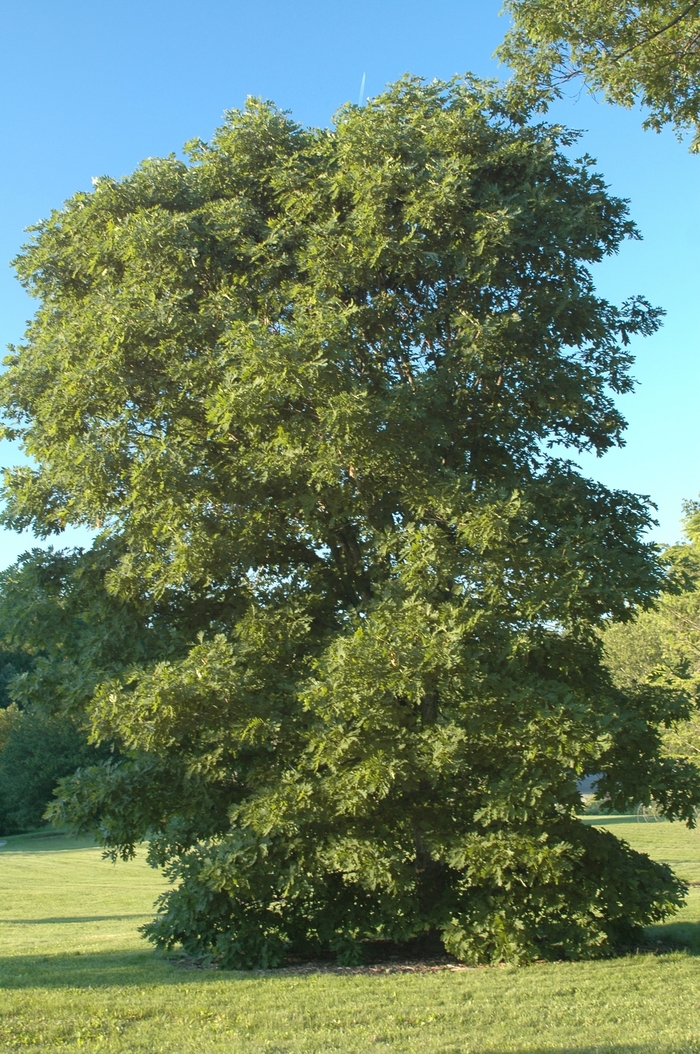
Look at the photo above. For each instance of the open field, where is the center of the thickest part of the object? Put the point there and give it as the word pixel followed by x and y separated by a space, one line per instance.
pixel 75 975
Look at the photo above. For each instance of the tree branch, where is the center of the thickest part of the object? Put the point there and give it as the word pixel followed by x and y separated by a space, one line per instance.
pixel 657 33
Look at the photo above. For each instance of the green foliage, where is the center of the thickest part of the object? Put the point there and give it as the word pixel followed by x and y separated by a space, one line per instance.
pixel 644 52
pixel 661 647
pixel 36 751
pixel 63 635
pixel 8 720
pixel 12 664
pixel 71 631
pixel 341 618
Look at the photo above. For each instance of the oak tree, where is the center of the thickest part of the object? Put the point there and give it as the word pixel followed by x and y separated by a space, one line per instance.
pixel 341 617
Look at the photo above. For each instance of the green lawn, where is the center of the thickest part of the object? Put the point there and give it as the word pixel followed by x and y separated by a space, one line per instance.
pixel 75 975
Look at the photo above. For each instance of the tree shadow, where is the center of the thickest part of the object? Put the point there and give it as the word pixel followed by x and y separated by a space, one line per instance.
pixel 142 967
pixel 75 918
pixel 681 936
pixel 612 1048
pixel 54 842
pixel 92 970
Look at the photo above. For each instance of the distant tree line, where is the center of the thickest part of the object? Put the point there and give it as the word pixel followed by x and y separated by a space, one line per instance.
pixel 36 751
pixel 660 648
pixel 42 739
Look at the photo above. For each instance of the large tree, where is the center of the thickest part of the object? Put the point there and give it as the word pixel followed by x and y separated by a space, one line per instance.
pixel 646 52
pixel 306 386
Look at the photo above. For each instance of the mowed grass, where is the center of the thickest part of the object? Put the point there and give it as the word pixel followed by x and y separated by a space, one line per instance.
pixel 75 975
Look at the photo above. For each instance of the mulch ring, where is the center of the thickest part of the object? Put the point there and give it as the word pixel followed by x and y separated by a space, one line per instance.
pixel 432 965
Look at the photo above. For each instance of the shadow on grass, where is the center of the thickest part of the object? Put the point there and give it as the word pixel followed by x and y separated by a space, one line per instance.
pixel 146 968
pixel 75 918
pixel 682 935
pixel 617 1048
pixel 94 970
pixel 54 842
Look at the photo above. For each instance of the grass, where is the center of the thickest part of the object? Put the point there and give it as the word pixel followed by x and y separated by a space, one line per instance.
pixel 75 975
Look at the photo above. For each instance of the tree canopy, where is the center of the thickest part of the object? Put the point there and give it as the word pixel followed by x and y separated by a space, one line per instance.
pixel 341 619
pixel 646 52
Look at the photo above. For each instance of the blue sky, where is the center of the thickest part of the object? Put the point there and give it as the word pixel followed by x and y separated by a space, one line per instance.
pixel 91 88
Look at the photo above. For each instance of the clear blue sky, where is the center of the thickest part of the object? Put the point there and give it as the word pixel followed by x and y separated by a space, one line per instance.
pixel 91 88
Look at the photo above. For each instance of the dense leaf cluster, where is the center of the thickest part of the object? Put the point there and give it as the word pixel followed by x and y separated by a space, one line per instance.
pixel 342 611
